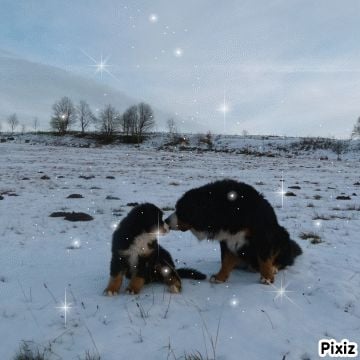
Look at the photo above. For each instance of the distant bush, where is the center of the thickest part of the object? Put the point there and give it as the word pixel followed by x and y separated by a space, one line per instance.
pixel 206 139
pixel 178 140
pixel 308 144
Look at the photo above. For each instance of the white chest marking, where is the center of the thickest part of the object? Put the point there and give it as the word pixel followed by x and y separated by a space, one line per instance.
pixel 139 247
pixel 233 241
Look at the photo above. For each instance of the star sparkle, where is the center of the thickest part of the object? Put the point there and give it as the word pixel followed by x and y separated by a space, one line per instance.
pixel 178 52
pixel 65 307
pixel 282 292
pixel 153 18
pixel 282 192
pixel 232 195
pixel 224 108
pixel 100 66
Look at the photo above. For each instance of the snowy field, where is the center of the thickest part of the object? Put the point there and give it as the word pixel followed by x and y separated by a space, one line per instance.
pixel 42 256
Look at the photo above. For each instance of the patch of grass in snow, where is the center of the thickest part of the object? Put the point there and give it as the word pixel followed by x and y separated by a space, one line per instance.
pixel 30 351
pixel 311 236
pixel 90 356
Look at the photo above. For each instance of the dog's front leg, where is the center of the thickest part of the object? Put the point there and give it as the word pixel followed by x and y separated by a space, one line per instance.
pixel 228 262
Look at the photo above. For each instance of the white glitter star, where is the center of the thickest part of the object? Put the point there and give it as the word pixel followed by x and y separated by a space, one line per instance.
pixel 165 271
pixel 100 66
pixel 224 108
pixel 153 18
pixel 234 302
pixel 282 192
pixel 281 292
pixel 65 307
pixel 178 52
pixel 317 223
pixel 232 195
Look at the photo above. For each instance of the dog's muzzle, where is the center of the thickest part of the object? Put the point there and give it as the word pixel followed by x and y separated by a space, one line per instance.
pixel 176 224
pixel 172 222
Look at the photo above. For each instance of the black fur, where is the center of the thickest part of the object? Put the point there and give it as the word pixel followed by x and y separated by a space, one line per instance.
pixel 145 220
pixel 233 206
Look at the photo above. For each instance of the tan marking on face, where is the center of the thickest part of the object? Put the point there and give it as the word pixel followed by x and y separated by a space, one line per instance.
pixel 114 285
pixel 228 263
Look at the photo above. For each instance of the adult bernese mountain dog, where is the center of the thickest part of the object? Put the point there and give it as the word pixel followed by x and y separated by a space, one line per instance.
pixel 137 254
pixel 244 222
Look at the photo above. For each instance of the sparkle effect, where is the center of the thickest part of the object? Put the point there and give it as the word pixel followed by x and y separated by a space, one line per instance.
pixel 153 18
pixel 76 244
pixel 165 271
pixel 317 223
pixel 282 192
pixel 100 66
pixel 282 292
pixel 178 52
pixel 234 302
pixel 224 108
pixel 232 195
pixel 65 307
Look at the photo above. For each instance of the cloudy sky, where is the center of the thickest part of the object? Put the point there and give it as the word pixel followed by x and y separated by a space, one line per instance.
pixel 283 66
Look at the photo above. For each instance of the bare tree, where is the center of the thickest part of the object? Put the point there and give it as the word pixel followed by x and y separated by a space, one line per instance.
pixel 84 115
pixel 339 147
pixel 35 123
pixel 109 121
pixel 355 134
pixel 0 127
pixel 13 122
pixel 64 115
pixel 23 128
pixel 129 120
pixel 171 127
pixel 146 120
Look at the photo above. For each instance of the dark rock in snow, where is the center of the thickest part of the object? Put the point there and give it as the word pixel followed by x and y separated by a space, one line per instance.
pixel 75 196
pixel 110 197
pixel 343 197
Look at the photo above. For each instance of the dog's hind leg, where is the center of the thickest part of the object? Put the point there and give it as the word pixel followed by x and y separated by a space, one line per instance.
pixel 267 270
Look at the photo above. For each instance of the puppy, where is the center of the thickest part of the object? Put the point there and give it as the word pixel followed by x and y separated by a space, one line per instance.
pixel 245 223
pixel 137 255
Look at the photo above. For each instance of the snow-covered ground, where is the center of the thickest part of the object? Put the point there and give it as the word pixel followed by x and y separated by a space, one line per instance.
pixel 41 257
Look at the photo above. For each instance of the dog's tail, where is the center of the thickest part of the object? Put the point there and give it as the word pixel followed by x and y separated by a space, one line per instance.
pixel 295 249
pixel 187 273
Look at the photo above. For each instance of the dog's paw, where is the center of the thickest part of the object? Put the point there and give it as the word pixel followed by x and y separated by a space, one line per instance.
pixel 215 280
pixel 174 289
pixel 132 291
pixel 109 292
pixel 266 281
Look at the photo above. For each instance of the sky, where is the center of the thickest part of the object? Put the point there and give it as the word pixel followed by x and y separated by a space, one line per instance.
pixel 285 67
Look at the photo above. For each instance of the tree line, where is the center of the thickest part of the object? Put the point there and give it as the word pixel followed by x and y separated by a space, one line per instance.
pixel 135 122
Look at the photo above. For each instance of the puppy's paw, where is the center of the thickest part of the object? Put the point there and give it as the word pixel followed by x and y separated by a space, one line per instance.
pixel 132 291
pixel 266 281
pixel 214 279
pixel 174 289
pixel 110 292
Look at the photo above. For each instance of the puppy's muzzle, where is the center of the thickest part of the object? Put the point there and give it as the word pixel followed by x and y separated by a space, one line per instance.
pixel 175 224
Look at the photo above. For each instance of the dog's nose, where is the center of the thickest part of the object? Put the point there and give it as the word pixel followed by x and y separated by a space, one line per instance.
pixel 172 221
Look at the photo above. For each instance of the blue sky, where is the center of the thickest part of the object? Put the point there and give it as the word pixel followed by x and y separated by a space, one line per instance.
pixel 285 66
